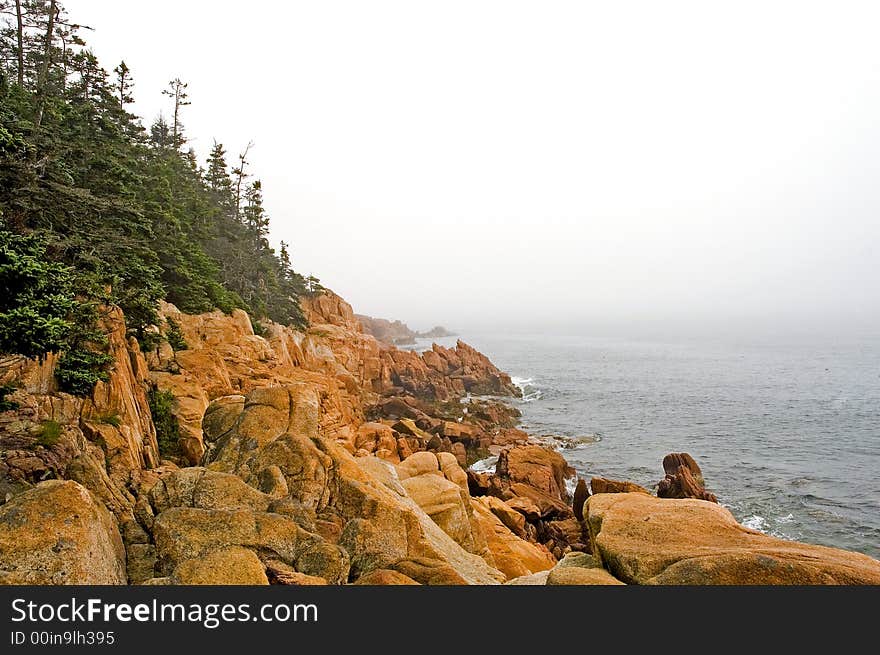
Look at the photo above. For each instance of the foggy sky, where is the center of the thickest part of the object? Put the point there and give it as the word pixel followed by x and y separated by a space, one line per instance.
pixel 568 163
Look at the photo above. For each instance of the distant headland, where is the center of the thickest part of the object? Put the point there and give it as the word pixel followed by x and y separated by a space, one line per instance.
pixel 398 333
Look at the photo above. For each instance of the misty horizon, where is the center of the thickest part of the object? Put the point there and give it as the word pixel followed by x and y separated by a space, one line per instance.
pixel 585 166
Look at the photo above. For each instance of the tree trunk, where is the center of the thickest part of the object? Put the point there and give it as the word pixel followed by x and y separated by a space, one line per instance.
pixel 242 160
pixel 43 77
pixel 20 35
pixel 176 111
pixel 122 89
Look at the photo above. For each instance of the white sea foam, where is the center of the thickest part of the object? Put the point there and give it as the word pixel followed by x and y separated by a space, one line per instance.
pixel 527 386
pixel 755 522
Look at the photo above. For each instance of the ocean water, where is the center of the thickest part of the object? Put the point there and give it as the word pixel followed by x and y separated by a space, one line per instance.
pixel 786 431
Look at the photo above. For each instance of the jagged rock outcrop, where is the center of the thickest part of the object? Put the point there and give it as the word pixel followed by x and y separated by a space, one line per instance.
pixel 57 533
pixel 324 457
pixel 327 308
pixel 380 525
pixel 530 479
pixel 645 540
pixel 438 485
pixel 512 554
pixel 352 370
pixel 684 479
pixel 102 441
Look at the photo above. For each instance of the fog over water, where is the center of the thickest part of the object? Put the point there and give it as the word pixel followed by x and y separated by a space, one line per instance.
pixel 665 165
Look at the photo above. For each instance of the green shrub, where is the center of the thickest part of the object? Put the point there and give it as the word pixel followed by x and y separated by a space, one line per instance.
pixel 167 431
pixel 6 405
pixel 37 297
pixel 110 419
pixel 174 335
pixel 78 371
pixel 148 341
pixel 259 329
pixel 49 433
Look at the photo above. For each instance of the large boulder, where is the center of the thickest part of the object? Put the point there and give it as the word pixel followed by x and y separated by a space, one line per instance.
pixel 204 489
pixel 513 556
pixel 439 487
pixel 57 533
pixel 228 566
pixel 385 577
pixel 186 533
pixel 607 486
pixel 537 466
pixel 645 540
pixel 379 525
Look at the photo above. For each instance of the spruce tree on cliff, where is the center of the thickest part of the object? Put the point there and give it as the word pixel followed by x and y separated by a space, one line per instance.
pixel 127 214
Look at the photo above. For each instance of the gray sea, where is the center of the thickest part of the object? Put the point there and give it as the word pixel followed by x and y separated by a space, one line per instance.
pixel 787 431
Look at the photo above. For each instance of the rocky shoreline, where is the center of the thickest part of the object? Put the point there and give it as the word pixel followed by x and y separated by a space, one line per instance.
pixel 326 457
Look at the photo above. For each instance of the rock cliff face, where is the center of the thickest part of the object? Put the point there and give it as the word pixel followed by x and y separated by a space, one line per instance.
pixel 326 457
pixel 263 485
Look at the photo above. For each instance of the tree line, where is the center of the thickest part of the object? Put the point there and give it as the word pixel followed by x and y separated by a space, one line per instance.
pixel 95 209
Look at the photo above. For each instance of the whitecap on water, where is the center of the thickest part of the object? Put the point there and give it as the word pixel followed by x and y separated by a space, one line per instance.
pixel 528 388
pixel 755 522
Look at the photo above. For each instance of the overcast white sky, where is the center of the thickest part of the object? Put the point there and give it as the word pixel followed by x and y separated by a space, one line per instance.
pixel 474 162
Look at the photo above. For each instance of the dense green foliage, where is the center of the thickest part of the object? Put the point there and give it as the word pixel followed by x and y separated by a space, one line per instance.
pixel 174 335
pixel 167 431
pixel 94 209
pixel 37 297
pixel 5 403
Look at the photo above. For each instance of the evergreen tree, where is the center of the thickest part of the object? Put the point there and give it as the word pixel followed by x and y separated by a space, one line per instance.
pixel 96 208
pixel 124 85
pixel 240 175
pixel 217 175
pixel 177 92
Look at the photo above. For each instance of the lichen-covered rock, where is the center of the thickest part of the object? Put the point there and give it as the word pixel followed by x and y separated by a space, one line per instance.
pixel 185 533
pixel 385 577
pixel 647 540
pixel 199 487
pixel 606 486
pixel 575 575
pixel 227 566
pixel 381 526
pixel 57 533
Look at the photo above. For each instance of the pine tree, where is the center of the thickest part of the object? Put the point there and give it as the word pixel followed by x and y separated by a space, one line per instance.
pixel 119 214
pixel 254 216
pixel 177 91
pixel 124 85
pixel 240 175
pixel 217 175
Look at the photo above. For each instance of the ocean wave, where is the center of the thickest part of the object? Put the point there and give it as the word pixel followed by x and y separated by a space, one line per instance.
pixel 755 522
pixel 761 524
pixel 530 392
pixel 567 443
